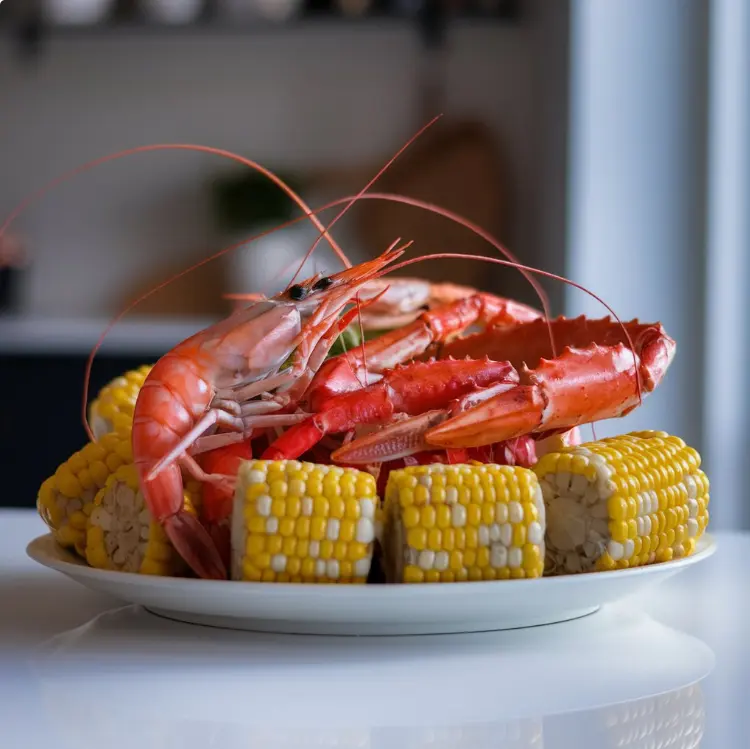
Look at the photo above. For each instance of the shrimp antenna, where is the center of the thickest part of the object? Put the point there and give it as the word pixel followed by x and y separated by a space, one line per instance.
pixel 379 174
pixel 381 171
pixel 28 201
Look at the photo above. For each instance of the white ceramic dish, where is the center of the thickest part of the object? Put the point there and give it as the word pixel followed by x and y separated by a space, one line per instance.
pixel 372 609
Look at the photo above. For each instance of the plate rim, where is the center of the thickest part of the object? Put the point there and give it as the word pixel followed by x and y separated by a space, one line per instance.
pixel 707 547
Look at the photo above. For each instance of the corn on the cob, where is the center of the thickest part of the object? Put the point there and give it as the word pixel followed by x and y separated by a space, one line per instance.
pixel 121 534
pixel 447 523
pixel 675 720
pixel 622 502
pixel 303 522
pixel 65 499
pixel 112 410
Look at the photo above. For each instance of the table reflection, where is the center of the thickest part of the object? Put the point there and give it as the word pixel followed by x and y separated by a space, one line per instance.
pixel 618 679
pixel 675 719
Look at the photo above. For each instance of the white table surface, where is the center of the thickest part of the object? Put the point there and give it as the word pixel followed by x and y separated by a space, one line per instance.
pixel 77 669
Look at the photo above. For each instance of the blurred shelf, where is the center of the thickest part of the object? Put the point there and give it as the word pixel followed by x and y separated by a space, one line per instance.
pixel 31 29
pixel 380 23
pixel 76 336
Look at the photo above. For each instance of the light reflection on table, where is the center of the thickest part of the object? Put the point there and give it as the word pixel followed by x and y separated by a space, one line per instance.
pixel 617 679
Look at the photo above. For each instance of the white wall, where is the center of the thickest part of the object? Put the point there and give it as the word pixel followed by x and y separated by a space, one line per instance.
pixel 293 99
pixel 725 398
pixel 637 184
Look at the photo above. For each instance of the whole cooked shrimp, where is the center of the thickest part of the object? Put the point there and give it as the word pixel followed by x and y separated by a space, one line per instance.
pixel 209 381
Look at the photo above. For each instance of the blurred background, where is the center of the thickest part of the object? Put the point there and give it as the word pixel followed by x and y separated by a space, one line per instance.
pixel 605 140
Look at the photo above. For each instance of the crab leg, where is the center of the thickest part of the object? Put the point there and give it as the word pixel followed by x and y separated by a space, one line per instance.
pixel 603 380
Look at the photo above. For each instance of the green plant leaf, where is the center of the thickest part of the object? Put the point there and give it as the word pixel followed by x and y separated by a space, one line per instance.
pixel 242 201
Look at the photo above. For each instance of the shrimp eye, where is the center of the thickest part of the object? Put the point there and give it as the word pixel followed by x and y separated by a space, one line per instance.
pixel 297 292
pixel 322 284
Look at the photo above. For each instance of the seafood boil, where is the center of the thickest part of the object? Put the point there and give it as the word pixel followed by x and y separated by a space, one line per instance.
pixel 359 427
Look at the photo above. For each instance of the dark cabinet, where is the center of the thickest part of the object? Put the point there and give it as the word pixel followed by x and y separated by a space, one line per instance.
pixel 40 417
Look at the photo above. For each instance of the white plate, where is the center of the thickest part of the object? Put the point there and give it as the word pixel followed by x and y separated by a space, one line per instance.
pixel 368 609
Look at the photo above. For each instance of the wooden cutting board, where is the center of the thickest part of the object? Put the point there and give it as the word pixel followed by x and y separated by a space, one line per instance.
pixel 459 167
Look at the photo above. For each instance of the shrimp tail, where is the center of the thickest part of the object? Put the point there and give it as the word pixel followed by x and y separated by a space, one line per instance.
pixel 165 499
pixel 195 545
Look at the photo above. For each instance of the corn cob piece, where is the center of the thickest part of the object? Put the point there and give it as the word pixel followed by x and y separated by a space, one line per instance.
pixel 451 523
pixel 112 410
pixel 676 719
pixel 121 534
pixel 622 501
pixel 66 499
pixel 303 522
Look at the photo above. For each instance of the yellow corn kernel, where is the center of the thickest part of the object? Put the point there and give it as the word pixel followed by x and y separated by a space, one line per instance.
pixel 255 545
pixel 340 550
pixel 318 527
pixel 337 507
pixel 286 526
pixel 347 530
pixel 460 538
pixel 413 574
pixel 353 509
pixel 273 544
pixel 434 539
pixel 417 538
pixel 357 551
pixel 255 524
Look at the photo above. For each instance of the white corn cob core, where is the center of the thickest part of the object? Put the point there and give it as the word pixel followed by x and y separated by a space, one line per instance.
pixel 125 521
